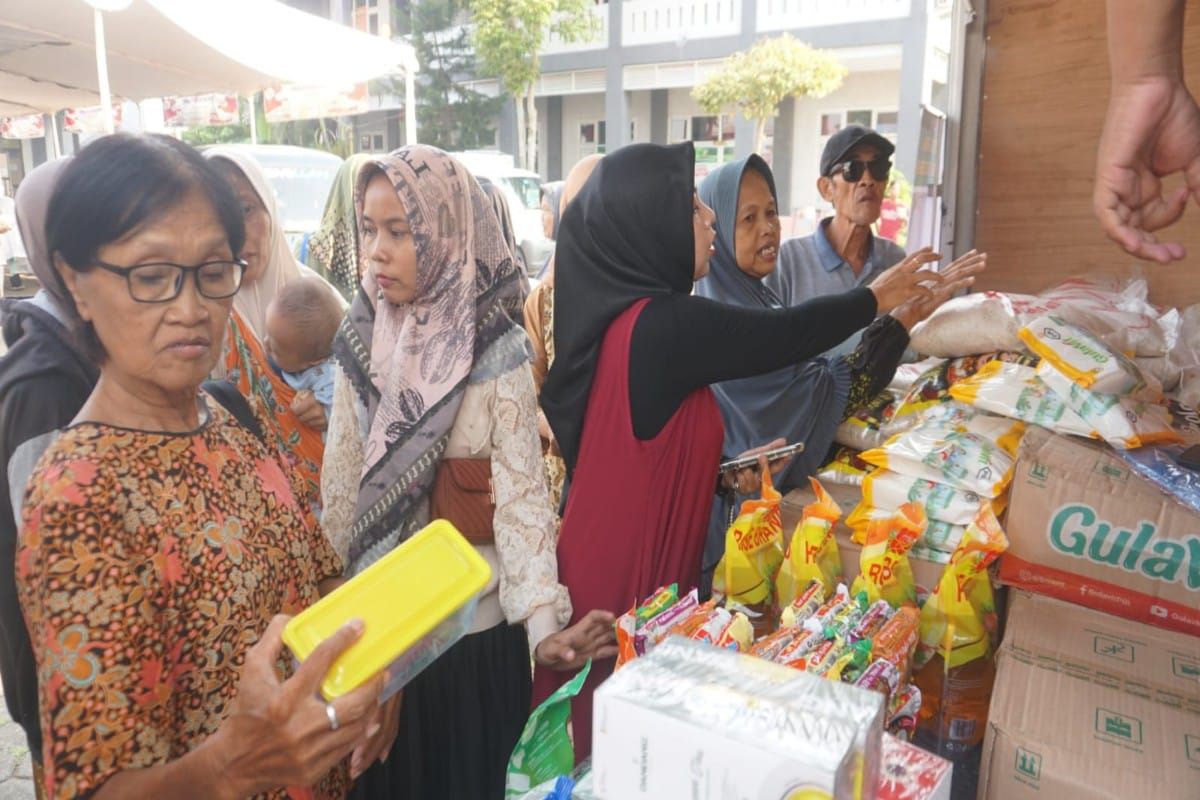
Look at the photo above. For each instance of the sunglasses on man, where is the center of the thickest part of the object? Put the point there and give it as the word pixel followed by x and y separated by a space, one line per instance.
pixel 852 170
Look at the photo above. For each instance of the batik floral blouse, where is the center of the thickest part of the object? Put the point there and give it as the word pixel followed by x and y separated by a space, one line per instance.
pixel 148 564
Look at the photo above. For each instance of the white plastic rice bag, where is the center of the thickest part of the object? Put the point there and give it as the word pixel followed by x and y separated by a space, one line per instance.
pixel 945 455
pixel 981 322
pixel 1081 357
pixel 1114 310
pixel 1005 432
pixel 1124 422
pixel 885 491
pixel 1014 390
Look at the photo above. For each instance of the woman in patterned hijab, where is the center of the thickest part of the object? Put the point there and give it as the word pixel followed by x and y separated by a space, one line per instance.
pixel 432 367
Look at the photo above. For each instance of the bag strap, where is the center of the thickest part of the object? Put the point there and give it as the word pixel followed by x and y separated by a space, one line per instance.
pixel 232 400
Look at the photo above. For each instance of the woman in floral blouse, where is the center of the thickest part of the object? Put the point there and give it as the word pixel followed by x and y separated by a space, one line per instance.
pixel 162 541
pixel 432 368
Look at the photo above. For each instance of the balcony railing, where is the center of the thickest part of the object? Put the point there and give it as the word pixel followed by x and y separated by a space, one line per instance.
pixel 659 21
pixel 598 40
pixel 777 15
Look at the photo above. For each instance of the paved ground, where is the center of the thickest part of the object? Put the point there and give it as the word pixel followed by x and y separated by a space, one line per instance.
pixel 15 769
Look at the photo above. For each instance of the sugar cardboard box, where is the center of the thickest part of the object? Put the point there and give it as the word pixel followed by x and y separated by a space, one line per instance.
pixel 691 720
pixel 1085 528
pixel 1087 705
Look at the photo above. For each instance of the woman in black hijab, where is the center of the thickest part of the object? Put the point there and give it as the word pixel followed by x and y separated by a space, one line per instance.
pixel 628 397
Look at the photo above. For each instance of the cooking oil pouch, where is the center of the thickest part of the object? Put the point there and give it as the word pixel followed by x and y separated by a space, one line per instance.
pixel 963 598
pixel 943 455
pixel 753 551
pixel 1124 422
pixel 1015 390
pixel 1080 356
pixel 545 749
pixel 812 554
pixel 885 570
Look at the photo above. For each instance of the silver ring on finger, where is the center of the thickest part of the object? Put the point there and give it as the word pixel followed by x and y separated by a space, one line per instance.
pixel 331 713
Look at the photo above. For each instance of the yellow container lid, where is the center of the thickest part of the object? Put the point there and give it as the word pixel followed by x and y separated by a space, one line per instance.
pixel 400 598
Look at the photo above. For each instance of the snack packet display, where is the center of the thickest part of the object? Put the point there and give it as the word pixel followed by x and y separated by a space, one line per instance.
pixel 963 598
pixel 794 615
pixel 880 676
pixel 690 624
pixel 944 455
pixel 872 621
pixel 845 468
pixel 712 628
pixel 1123 422
pixel 753 551
pixel 545 749
pixel 1083 358
pixel 738 634
pixel 1014 390
pixel 658 628
pixel 862 429
pixel 903 711
pixel 663 598
pixel 885 571
pixel 933 387
pixel 812 553
pixel 805 604
pixel 897 640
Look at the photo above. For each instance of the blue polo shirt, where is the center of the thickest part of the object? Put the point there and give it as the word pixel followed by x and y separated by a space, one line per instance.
pixel 810 267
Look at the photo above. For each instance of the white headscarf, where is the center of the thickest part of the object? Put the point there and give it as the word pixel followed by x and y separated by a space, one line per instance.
pixel 252 299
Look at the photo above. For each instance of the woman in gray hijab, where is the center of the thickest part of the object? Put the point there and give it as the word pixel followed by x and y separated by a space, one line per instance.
pixel 802 403
pixel 45 377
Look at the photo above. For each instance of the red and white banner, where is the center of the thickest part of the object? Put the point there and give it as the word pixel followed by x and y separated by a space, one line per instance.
pixel 291 102
pixel 199 110
pixel 30 126
pixel 89 120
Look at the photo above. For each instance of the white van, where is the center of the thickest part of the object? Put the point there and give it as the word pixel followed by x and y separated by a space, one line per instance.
pixel 522 189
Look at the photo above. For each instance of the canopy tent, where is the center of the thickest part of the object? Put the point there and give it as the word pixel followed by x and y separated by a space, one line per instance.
pixel 158 48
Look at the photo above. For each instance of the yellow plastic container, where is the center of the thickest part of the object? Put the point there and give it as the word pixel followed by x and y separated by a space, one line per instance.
pixel 415 603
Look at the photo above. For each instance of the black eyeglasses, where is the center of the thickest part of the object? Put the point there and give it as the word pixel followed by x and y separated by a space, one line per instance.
pixel 852 170
pixel 162 282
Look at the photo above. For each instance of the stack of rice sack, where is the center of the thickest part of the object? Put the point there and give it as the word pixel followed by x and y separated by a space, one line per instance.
pixel 866 634
pixel 951 461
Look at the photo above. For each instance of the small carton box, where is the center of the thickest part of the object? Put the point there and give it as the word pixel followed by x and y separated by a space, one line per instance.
pixel 1087 705
pixel 910 773
pixel 1085 528
pixel 690 720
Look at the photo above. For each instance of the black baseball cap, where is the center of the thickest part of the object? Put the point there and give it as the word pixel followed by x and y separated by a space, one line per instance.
pixel 848 138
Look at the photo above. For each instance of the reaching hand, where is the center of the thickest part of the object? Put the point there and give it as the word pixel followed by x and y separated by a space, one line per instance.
pixel 958 276
pixel 569 649
pixel 1152 130
pixel 906 281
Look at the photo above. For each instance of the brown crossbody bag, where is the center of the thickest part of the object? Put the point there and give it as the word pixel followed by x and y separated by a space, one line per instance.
pixel 463 495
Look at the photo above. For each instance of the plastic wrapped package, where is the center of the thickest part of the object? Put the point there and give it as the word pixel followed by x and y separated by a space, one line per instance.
pixel 1114 310
pixel 1014 390
pixel 1082 357
pixel 884 491
pixel 963 460
pixel 980 322
pixel 1123 422
pixel 862 429
pixel 846 468
pixel 933 387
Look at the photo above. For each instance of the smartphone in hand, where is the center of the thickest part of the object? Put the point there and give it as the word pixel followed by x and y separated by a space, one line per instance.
pixel 778 454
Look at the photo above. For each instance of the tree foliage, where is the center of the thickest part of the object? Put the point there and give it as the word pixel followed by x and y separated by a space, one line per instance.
pixel 508 38
pixel 450 114
pixel 756 81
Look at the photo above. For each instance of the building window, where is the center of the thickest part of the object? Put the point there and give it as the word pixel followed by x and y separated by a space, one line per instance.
pixel 371 16
pixel 678 131
pixel 831 123
pixel 886 123
pixel 859 117
pixel 592 137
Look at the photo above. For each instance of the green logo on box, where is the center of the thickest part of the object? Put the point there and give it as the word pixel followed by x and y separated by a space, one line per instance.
pixel 1185 669
pixel 1118 726
pixel 1039 472
pixel 1029 763
pixel 1113 648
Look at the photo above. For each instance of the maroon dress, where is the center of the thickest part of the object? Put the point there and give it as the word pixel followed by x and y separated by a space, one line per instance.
pixel 637 511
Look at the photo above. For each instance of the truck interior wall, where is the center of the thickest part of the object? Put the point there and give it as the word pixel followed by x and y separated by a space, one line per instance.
pixel 1045 91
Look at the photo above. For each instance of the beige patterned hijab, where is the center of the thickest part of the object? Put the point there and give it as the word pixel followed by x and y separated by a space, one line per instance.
pixel 411 364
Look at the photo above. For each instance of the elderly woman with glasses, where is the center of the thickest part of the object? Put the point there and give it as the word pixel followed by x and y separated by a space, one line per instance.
pixel 162 543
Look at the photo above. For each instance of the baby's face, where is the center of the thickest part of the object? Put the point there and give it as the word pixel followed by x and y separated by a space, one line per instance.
pixel 286 346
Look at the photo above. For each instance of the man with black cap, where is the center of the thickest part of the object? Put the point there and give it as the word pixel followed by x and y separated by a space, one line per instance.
pixel 843 253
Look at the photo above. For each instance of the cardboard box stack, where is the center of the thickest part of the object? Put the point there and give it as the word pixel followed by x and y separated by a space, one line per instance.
pixel 1087 705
